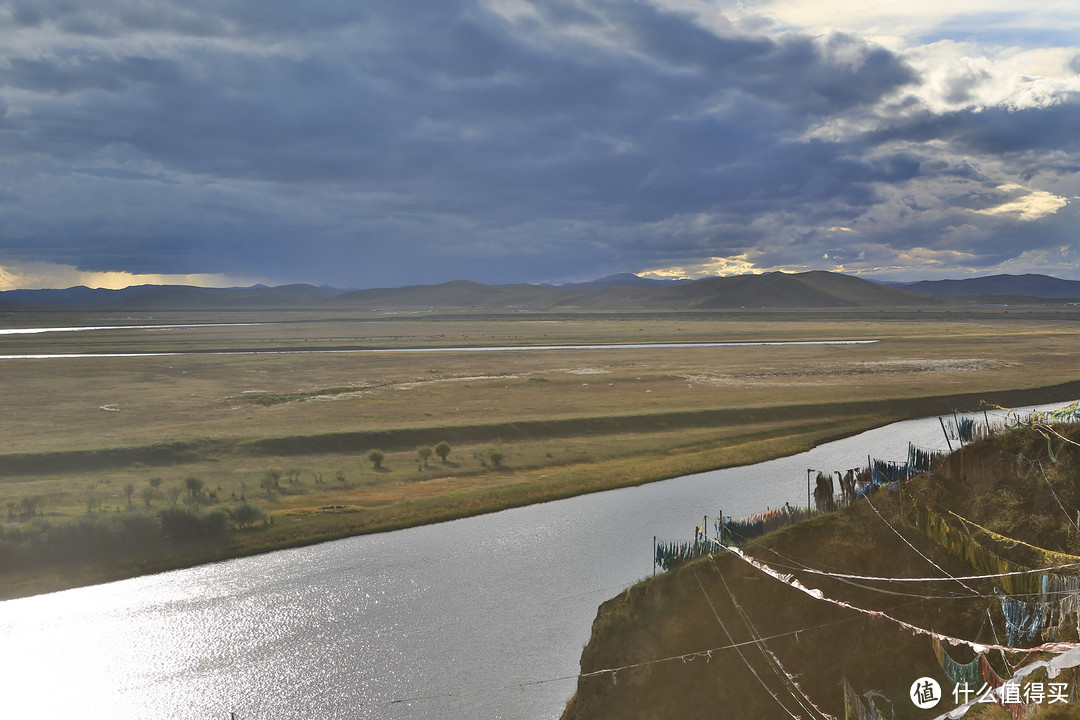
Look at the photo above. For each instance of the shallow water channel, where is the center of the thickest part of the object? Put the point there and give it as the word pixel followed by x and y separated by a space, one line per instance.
pixel 480 348
pixel 477 618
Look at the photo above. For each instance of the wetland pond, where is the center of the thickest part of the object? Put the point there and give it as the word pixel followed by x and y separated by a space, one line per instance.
pixel 484 617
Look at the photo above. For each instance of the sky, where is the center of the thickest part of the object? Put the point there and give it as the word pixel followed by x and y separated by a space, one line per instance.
pixel 393 142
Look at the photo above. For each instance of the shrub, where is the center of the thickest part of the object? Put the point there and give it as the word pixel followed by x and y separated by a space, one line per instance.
pixel 215 523
pixel 423 454
pixel 245 515
pixel 179 522
pixel 492 456
pixel 30 506
pixel 139 529
pixel 148 494
pixel 185 523
pixel 270 482
pixel 194 486
pixel 376 457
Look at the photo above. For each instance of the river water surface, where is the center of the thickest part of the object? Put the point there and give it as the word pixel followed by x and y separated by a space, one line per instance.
pixel 478 618
pixel 475 348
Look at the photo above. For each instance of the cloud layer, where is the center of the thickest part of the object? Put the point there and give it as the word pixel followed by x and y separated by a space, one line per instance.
pixel 387 143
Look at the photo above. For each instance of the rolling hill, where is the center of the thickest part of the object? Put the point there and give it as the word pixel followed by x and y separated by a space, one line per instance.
pixel 815 289
pixel 1020 287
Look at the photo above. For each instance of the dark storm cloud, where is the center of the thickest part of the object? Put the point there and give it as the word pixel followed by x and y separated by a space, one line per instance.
pixel 418 141
pixel 995 130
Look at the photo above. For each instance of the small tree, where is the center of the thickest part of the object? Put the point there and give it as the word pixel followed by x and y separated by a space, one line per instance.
pixel 194 486
pixel 423 454
pixel 29 505
pixel 93 499
pixel 179 522
pixel 155 482
pixel 148 494
pixel 129 491
pixel 376 457
pixel 443 450
pixel 270 481
pixel 293 475
pixel 495 453
pixel 340 476
pixel 174 492
pixel 245 515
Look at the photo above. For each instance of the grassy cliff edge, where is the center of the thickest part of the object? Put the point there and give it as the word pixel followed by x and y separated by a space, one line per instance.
pixel 686 644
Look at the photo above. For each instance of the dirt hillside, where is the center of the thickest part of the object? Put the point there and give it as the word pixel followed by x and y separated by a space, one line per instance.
pixel 671 637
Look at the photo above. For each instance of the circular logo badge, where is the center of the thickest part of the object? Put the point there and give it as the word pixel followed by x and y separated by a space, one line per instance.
pixel 925 693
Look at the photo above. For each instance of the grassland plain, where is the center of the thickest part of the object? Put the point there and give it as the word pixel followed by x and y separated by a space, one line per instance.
pixel 293 392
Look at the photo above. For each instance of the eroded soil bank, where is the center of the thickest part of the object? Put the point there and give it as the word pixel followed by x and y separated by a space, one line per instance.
pixel 710 638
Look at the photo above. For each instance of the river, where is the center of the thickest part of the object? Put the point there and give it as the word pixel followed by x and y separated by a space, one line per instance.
pixel 477 618
pixel 476 348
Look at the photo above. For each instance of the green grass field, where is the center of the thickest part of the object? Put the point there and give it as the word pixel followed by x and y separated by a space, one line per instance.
pixel 79 431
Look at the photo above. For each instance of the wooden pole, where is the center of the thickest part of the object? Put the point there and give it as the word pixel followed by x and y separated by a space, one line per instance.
pixel 945 431
pixel 900 494
pixel 808 471
pixel 654 555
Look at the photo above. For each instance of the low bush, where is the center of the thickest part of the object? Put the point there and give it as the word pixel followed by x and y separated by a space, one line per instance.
pixel 91 537
pixel 88 537
pixel 245 515
pixel 185 523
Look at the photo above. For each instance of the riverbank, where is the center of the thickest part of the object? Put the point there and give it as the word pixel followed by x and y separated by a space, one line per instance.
pixel 299 433
pixel 647 449
pixel 348 511
pixel 718 636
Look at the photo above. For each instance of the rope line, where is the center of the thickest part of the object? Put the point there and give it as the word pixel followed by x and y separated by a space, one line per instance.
pixel 939 568
pixel 817 594
pixel 739 650
pixel 990 576
pixel 1068 515
pixel 778 667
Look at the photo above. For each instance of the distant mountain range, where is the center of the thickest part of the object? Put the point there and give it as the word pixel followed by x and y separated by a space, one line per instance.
pixel 817 289
pixel 1042 287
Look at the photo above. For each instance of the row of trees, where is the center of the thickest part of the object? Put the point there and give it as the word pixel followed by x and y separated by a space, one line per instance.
pixel 105 535
pixel 424 453
pixel 271 479
pixel 196 493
